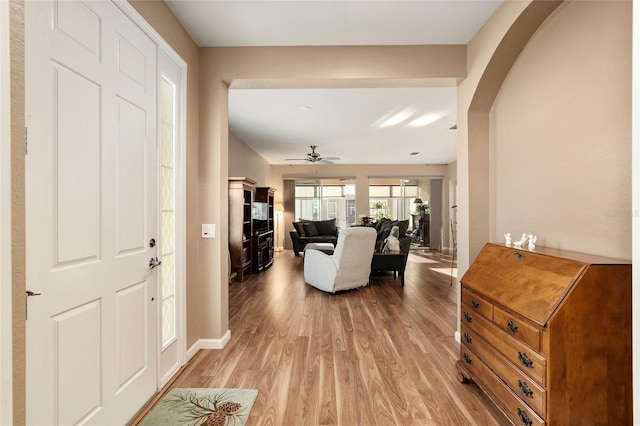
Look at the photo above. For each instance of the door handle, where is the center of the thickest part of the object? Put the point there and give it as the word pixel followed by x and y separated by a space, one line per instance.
pixel 26 303
pixel 153 262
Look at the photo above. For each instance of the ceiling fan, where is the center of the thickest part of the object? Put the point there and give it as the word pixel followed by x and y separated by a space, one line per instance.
pixel 314 157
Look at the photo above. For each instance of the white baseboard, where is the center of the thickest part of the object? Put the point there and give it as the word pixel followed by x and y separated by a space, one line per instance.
pixel 167 377
pixel 457 337
pixel 208 344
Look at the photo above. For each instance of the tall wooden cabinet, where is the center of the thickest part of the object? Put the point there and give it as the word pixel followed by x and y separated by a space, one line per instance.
pixel 241 193
pixel 263 238
pixel 547 335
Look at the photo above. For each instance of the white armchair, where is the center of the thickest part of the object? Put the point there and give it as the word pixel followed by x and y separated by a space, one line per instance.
pixel 349 266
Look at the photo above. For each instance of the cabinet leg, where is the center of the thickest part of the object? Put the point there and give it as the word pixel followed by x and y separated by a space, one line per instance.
pixel 462 375
pixel 462 378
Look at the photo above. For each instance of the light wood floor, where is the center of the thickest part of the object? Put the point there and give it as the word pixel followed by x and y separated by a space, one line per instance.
pixel 380 355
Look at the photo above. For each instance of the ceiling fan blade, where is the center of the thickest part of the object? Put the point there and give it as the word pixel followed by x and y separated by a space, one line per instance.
pixel 296 159
pixel 325 161
pixel 331 158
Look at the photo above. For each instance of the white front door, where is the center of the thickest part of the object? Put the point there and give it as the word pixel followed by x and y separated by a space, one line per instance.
pixel 91 214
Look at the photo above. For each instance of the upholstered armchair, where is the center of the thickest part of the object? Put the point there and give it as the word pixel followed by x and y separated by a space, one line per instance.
pixel 349 266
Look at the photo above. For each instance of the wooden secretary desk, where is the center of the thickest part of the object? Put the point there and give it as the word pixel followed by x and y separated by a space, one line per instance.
pixel 547 335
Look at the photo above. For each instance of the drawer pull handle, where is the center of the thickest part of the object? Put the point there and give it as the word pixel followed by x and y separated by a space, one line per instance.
pixel 467 316
pixel 475 302
pixel 511 325
pixel 525 360
pixel 467 358
pixel 525 389
pixel 524 418
pixel 467 337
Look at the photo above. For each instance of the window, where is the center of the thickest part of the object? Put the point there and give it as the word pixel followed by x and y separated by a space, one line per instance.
pixel 326 199
pixel 167 189
pixel 394 197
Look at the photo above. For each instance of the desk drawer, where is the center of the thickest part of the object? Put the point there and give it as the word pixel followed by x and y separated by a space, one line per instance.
pixel 528 390
pixel 527 360
pixel 478 304
pixel 517 328
pixel 519 412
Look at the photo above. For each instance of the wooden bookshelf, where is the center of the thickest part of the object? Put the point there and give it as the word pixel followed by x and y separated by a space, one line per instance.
pixel 241 193
pixel 263 240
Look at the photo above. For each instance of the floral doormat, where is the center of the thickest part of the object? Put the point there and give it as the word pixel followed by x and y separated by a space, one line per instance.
pixel 209 407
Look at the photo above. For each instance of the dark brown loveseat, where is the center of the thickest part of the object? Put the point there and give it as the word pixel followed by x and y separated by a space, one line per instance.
pixel 313 231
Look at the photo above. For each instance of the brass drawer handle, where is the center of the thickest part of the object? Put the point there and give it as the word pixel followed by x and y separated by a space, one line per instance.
pixel 511 325
pixel 475 302
pixel 524 418
pixel 467 316
pixel 467 337
pixel 525 389
pixel 467 358
pixel 525 360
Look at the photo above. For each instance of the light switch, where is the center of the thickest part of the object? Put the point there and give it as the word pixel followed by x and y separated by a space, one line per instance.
pixel 208 230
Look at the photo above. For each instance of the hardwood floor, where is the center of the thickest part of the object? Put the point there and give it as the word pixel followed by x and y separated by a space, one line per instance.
pixel 380 355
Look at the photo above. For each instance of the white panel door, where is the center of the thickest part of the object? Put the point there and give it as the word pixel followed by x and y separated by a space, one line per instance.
pixel 91 213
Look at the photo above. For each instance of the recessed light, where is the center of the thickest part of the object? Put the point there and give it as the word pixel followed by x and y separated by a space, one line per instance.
pixel 305 108
pixel 414 153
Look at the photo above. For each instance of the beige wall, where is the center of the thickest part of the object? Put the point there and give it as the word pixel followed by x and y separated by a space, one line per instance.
pixel 330 65
pixel 490 54
pixel 561 133
pixel 158 15
pixel 244 161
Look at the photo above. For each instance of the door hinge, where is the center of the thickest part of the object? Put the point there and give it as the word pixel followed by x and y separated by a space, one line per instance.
pixel 26 140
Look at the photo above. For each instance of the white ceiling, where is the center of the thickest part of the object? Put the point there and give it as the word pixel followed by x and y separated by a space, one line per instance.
pixel 345 123
pixel 361 126
pixel 331 23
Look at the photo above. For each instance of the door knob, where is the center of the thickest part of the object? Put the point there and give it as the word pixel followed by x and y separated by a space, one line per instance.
pixel 153 262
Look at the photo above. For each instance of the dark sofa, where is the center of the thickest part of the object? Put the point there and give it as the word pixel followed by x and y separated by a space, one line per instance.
pixel 313 231
pixel 383 228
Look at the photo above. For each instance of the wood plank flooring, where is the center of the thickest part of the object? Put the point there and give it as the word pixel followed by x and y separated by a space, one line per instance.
pixel 380 355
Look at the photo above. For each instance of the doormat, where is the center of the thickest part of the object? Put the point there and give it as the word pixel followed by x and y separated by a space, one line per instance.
pixel 205 406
